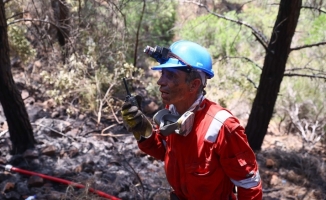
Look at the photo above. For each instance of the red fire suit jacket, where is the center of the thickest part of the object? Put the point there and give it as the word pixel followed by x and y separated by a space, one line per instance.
pixel 210 160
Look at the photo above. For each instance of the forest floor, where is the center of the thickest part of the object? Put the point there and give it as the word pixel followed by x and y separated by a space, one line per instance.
pixel 76 149
pixel 289 171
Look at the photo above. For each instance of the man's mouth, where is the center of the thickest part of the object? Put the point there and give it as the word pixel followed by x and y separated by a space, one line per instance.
pixel 163 94
pixel 163 91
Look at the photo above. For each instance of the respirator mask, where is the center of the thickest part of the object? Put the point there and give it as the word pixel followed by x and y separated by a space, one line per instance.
pixel 171 123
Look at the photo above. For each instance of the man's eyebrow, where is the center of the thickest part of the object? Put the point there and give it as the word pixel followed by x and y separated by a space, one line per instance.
pixel 174 71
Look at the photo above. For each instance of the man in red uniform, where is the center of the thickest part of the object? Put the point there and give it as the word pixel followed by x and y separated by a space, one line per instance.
pixel 203 146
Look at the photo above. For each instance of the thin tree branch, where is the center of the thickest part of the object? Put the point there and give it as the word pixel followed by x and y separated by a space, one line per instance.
pixel 99 114
pixel 138 30
pixel 308 46
pixel 262 39
pixel 114 115
pixel 52 129
pixel 35 9
pixel 32 20
pixel 246 59
pixel 120 11
pixel 305 68
pixel 251 81
pixel 314 8
pixel 44 21
pixel 136 174
pixel 17 14
pixel 305 75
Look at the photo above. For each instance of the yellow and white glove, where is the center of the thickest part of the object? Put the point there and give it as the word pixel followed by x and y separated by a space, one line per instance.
pixel 135 121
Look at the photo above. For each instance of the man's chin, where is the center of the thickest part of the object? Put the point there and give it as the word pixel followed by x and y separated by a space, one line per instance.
pixel 165 102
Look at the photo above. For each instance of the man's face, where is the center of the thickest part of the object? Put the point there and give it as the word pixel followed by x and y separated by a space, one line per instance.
pixel 173 87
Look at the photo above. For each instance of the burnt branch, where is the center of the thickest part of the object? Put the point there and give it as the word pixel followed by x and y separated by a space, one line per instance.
pixel 308 46
pixel 306 75
pixel 251 81
pixel 17 14
pixel 306 68
pixel 138 30
pixel 246 59
pixel 314 8
pixel 33 20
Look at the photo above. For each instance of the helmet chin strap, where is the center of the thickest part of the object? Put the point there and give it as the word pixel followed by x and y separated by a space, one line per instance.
pixel 203 77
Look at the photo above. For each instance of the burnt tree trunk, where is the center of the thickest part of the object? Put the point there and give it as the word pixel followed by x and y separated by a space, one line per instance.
pixel 61 14
pixel 20 128
pixel 273 71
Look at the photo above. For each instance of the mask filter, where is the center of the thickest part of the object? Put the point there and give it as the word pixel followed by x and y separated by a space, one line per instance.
pixel 169 123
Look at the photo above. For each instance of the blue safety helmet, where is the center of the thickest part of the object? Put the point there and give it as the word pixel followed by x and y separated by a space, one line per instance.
pixel 192 54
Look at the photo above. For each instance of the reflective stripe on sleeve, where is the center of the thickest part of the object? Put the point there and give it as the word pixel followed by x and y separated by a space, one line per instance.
pixel 248 182
pixel 216 124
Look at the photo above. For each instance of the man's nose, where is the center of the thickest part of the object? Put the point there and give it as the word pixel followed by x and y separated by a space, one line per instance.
pixel 161 81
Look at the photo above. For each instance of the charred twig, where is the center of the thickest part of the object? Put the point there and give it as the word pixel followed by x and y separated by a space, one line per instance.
pixel 246 59
pixel 308 46
pixel 305 75
pixel 251 81
pixel 314 8
pixel 137 32
pixel 99 114
pixel 305 68
pixel 137 176
pixel 56 131
pixel 17 14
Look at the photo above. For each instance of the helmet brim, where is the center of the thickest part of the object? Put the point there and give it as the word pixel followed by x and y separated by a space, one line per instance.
pixel 172 62
pixel 175 63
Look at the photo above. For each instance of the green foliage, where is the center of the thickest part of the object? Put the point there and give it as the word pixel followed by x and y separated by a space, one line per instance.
pixel 76 83
pixel 219 36
pixel 18 44
pixel 153 90
pixel 156 26
pixel 304 90
pixel 230 43
pixel 317 30
pixel 260 18
pixel 157 22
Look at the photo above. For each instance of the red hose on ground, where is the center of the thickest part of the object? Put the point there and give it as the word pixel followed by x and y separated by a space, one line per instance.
pixel 78 185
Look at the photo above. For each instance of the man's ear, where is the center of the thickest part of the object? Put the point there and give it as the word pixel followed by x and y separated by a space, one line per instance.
pixel 195 84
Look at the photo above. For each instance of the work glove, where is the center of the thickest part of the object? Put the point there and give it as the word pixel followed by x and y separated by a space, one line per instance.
pixel 134 120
